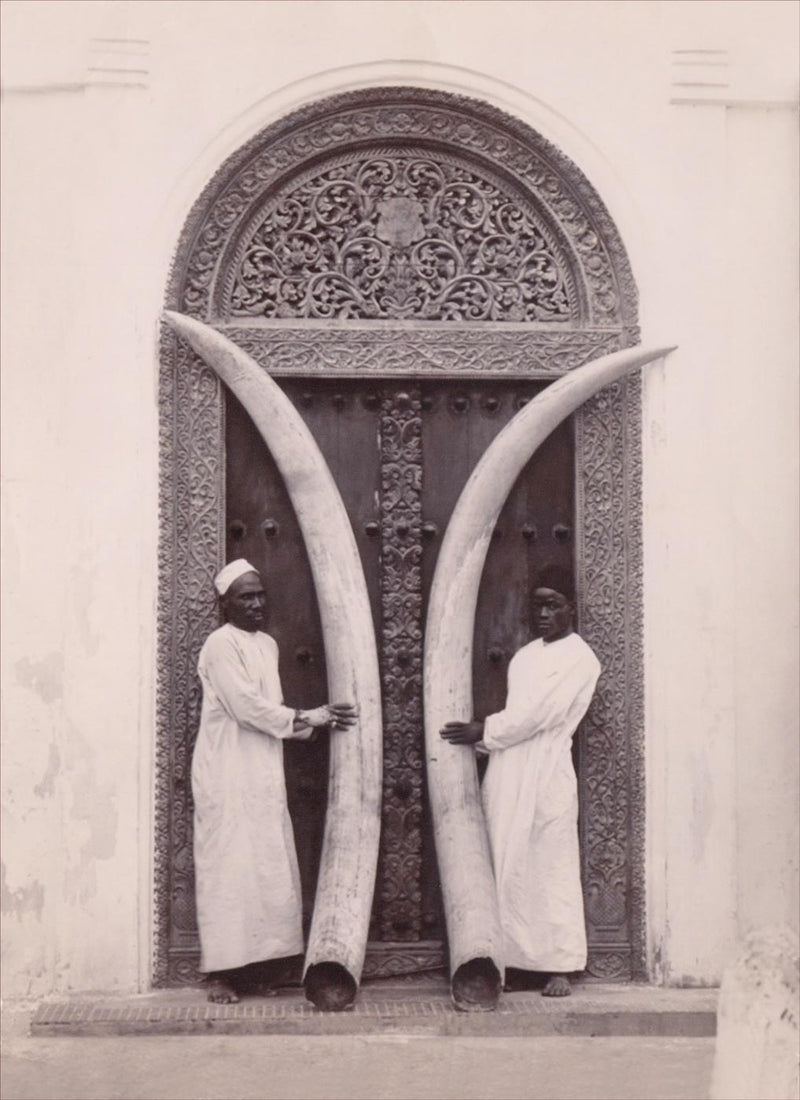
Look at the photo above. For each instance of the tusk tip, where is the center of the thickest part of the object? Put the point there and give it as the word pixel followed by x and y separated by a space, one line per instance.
pixel 187 328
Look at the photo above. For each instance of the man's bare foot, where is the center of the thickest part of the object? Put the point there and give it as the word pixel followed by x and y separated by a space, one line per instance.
pixel 222 993
pixel 557 986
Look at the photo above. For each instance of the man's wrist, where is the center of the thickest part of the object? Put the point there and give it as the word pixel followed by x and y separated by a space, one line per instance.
pixel 477 728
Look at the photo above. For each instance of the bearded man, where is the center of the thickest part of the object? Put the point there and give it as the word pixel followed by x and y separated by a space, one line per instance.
pixel 530 793
pixel 247 879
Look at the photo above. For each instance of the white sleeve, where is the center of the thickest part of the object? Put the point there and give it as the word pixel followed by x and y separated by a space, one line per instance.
pixel 225 674
pixel 564 697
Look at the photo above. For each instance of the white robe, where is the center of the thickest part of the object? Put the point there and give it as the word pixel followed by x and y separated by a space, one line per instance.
pixel 246 875
pixel 530 800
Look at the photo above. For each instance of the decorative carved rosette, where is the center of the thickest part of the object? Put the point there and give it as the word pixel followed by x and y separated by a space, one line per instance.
pixel 396 960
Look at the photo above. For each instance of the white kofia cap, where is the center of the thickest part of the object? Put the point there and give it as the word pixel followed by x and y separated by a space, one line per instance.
pixel 231 572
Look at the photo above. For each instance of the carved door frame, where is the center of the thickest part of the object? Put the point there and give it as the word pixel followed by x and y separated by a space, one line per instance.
pixel 600 319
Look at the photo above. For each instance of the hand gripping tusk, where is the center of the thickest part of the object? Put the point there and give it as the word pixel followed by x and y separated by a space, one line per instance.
pixel 340 925
pixel 462 846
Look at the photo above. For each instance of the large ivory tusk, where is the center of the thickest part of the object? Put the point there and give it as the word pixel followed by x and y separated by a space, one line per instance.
pixel 462 847
pixel 340 925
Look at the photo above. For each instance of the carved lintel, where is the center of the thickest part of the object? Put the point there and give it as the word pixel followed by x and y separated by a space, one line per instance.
pixel 424 351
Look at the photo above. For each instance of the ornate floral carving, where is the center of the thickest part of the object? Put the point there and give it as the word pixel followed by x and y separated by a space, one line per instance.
pixel 169 473
pixel 493 142
pixel 634 687
pixel 398 234
pixel 610 963
pixel 609 470
pixel 190 550
pixel 183 968
pixel 423 351
pixel 401 653
pixel 483 144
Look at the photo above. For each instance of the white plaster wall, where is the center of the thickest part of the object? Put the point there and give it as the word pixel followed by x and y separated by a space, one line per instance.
pixel 764 436
pixel 97 182
pixel 78 541
pixel 721 574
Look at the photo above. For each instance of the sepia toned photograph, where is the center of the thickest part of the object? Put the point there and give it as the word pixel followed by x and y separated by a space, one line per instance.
pixel 400 549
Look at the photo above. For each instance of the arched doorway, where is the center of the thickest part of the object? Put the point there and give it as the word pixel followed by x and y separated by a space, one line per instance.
pixel 412 267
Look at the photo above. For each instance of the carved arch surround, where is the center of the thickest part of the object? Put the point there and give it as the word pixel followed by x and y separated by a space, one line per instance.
pixel 467 307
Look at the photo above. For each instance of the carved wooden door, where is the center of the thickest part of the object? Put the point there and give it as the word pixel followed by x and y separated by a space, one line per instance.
pixel 400 455
pixel 409 266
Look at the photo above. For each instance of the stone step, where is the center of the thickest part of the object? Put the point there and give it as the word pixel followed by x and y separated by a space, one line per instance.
pixel 592 1010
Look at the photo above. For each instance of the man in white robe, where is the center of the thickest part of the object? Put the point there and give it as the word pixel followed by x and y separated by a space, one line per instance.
pixel 530 795
pixel 246 874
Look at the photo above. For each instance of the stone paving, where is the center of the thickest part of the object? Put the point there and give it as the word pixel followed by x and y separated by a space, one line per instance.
pixel 402 1041
pixel 355 1067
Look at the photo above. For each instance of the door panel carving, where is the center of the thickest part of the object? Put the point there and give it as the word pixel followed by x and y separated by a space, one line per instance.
pixel 399 899
pixel 411 265
pixel 401 453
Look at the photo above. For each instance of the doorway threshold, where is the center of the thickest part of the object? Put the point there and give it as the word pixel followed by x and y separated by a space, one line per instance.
pixel 419 1007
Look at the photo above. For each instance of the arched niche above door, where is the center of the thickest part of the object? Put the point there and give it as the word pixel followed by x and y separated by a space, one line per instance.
pixel 468 173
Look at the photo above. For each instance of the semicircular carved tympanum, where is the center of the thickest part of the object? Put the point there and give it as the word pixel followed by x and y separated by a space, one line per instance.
pixel 398 239
pixel 397 235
